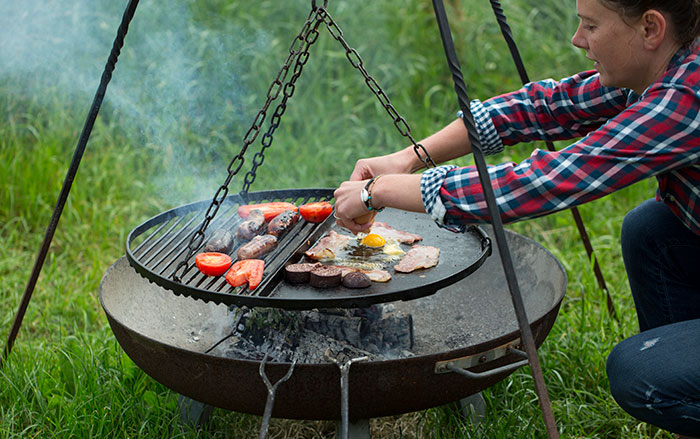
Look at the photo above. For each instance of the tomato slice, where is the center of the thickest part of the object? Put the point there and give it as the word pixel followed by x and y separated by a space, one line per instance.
pixel 236 276
pixel 315 212
pixel 213 263
pixel 270 210
pixel 247 270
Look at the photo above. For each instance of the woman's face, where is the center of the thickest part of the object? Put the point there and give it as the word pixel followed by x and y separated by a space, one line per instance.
pixel 614 45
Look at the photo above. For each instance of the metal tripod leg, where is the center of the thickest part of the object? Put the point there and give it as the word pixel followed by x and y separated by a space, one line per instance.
pixel 194 413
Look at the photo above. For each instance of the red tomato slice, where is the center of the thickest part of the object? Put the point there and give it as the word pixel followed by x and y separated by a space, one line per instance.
pixel 254 269
pixel 212 263
pixel 315 212
pixel 247 270
pixel 270 210
pixel 236 276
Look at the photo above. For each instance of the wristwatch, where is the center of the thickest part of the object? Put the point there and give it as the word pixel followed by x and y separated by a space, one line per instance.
pixel 366 194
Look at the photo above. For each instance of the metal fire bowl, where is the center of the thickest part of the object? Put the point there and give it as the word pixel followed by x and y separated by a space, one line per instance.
pixel 167 336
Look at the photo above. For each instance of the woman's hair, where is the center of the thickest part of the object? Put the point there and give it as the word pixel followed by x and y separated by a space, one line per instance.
pixel 684 14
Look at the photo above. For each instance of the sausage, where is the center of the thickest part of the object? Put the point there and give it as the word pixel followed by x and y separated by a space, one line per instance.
pixel 257 247
pixel 299 273
pixel 255 225
pixel 281 224
pixel 221 241
pixel 356 279
pixel 325 276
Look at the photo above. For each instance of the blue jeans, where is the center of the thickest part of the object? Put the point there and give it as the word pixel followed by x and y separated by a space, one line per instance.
pixel 655 375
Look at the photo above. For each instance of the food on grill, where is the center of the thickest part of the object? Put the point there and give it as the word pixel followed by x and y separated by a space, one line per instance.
pixel 221 241
pixel 212 263
pixel 401 236
pixel 328 246
pixel 316 212
pixel 270 210
pixel 374 275
pixel 367 252
pixel 325 276
pixel 299 273
pixel 248 270
pixel 418 256
pixel 356 279
pixel 373 240
pixel 257 247
pixel 281 224
pixel 254 226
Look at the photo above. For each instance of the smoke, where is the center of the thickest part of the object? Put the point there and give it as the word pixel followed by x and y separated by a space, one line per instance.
pixel 178 87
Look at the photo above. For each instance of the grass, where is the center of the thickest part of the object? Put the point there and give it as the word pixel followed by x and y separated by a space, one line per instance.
pixel 188 84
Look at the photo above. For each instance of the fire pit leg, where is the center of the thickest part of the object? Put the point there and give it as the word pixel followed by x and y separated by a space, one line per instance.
pixel 193 412
pixel 271 390
pixel 472 408
pixel 353 430
pixel 344 432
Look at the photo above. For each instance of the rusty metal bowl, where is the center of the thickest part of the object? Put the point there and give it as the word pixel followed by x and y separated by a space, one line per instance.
pixel 167 336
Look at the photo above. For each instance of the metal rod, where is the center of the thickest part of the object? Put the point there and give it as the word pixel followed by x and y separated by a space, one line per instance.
pixel 271 391
pixel 523 323
pixel 345 394
pixel 520 66
pixel 70 176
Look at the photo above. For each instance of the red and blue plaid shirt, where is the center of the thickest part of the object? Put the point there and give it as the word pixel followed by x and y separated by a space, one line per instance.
pixel 628 137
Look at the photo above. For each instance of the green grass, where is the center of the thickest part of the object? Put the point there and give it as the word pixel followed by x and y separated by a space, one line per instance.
pixel 188 84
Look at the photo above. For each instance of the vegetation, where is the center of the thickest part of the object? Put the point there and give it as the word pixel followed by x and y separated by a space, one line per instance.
pixel 189 82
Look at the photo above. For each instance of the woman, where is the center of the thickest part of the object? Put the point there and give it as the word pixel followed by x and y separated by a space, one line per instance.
pixel 638 111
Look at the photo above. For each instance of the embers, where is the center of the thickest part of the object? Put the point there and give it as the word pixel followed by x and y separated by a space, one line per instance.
pixel 320 336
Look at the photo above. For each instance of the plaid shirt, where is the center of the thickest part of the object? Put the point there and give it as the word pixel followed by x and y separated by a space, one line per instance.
pixel 628 137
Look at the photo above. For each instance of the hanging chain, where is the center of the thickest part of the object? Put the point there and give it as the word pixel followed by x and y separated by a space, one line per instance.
pixel 354 57
pixel 297 50
pixel 298 55
pixel 309 37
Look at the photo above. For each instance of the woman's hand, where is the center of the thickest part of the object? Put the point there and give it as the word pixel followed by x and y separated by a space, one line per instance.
pixel 400 191
pixel 349 206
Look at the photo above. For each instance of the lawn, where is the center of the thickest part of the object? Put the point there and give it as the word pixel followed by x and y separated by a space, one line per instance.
pixel 190 80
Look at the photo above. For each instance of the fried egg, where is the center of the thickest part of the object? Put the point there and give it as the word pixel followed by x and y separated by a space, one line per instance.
pixel 369 252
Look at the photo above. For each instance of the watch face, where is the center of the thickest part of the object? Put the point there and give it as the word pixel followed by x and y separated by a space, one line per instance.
pixel 364 195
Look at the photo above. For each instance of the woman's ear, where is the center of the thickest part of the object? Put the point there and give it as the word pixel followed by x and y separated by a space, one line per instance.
pixel 654 26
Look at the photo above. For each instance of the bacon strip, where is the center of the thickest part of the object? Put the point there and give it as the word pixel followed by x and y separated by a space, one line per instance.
pixel 418 256
pixel 328 246
pixel 386 231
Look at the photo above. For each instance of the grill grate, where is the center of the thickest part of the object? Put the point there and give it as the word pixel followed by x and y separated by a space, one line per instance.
pixel 156 248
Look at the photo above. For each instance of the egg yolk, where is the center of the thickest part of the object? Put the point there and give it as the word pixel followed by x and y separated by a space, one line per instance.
pixel 373 240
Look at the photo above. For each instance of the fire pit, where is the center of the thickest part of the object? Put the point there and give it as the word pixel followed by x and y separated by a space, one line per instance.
pixel 469 323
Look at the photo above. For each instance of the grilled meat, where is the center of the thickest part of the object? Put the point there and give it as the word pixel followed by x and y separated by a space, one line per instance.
pixel 221 241
pixel 254 225
pixel 418 256
pixel 257 247
pixel 299 273
pixel 385 230
pixel 282 223
pixel 328 246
